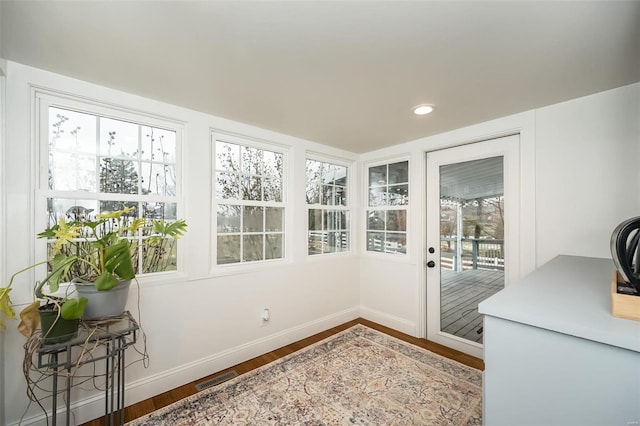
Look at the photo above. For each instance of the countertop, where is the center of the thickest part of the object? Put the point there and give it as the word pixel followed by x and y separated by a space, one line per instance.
pixel 569 295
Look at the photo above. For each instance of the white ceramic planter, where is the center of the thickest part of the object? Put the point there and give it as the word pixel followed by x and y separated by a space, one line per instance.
pixel 104 303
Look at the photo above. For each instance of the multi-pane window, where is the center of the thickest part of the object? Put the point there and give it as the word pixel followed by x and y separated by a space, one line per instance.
pixel 93 163
pixel 250 206
pixel 388 194
pixel 328 213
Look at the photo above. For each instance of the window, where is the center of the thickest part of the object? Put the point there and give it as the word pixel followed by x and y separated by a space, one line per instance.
pixel 328 226
pixel 96 159
pixel 387 214
pixel 250 207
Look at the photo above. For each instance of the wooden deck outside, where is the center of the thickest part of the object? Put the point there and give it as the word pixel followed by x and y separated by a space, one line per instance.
pixel 460 294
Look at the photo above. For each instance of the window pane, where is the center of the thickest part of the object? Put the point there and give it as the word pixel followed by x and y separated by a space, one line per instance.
pixel 328 172
pixel 228 249
pixel 273 164
pixel 252 219
pixel 396 242
pixel 398 195
pixel 251 160
pixel 377 196
pixel 118 138
pixel 158 145
pixel 328 195
pixel 340 196
pixel 313 179
pixel 227 156
pixel 113 205
pixel 399 172
pixel 315 220
pixel 336 242
pixel 375 241
pixel 227 185
pixel 72 172
pixel 160 258
pixel 340 175
pixel 396 220
pixel 335 220
pixel 315 239
pixel 375 220
pixel 272 189
pixel 378 175
pixel 274 219
pixel 70 130
pixel 154 210
pixel 68 209
pixel 273 247
pixel 252 188
pixel 118 176
pixel 252 248
pixel 228 218
pixel 158 179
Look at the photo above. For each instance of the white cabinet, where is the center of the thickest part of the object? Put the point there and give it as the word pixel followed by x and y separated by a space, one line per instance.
pixel 554 354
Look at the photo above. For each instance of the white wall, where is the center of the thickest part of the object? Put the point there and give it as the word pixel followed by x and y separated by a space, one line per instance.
pixel 197 323
pixel 2 228
pixel 587 180
pixel 580 178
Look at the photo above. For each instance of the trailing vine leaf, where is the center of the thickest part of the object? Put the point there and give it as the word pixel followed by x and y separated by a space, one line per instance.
pixel 30 319
pixel 73 308
pixel 5 306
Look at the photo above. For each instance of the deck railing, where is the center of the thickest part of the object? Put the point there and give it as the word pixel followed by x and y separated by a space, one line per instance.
pixel 475 254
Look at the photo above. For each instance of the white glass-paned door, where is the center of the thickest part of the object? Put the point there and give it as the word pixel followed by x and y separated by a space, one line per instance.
pixel 470 206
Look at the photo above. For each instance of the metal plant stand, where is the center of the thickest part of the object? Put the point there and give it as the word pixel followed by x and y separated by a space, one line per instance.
pixel 98 340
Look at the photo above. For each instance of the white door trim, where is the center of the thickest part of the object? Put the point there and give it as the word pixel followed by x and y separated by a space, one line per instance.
pixel 509 148
pixel 522 124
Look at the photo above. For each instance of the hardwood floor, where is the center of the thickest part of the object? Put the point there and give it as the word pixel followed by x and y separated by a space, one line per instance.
pixel 144 407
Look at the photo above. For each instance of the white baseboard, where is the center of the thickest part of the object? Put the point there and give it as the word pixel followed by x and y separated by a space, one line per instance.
pixel 93 407
pixel 391 321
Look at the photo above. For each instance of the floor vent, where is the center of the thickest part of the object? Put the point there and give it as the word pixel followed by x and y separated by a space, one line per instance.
pixel 216 380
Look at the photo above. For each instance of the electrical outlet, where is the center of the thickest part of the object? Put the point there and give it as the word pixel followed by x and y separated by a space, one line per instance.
pixel 266 316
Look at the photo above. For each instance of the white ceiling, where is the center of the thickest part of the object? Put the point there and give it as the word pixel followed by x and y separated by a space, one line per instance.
pixel 342 73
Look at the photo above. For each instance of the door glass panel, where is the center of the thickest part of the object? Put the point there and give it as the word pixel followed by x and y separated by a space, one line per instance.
pixel 471 242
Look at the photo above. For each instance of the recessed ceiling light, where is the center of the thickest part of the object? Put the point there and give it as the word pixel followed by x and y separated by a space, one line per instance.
pixel 423 109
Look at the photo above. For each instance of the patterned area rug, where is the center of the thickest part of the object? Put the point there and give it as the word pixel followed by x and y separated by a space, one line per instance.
pixel 357 377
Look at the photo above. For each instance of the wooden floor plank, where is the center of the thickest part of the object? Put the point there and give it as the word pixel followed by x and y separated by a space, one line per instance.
pixel 460 294
pixel 147 406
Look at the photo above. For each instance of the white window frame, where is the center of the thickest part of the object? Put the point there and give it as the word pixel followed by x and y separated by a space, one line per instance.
pixel 222 269
pixel 348 208
pixel 43 99
pixel 367 208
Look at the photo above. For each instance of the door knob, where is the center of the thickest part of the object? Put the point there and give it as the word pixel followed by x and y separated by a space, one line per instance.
pixel 431 264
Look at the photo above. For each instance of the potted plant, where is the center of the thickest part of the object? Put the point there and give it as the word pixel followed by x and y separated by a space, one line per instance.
pixel 99 257
pixel 59 316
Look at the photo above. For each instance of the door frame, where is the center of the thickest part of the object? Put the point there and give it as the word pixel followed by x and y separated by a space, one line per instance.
pixel 523 230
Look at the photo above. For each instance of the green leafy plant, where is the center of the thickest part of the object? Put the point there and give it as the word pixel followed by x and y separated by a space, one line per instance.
pixel 102 251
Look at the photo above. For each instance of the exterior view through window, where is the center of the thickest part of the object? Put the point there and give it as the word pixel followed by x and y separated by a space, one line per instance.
pixel 96 164
pixel 387 214
pixel 250 205
pixel 328 213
